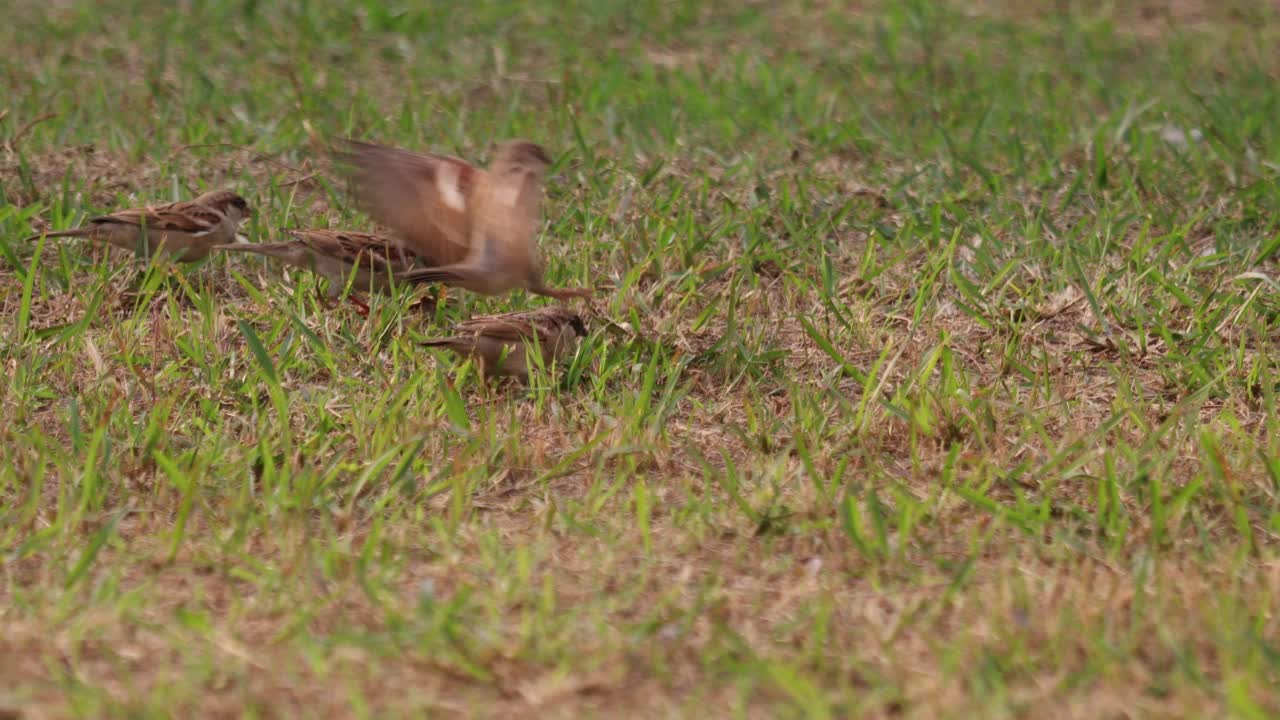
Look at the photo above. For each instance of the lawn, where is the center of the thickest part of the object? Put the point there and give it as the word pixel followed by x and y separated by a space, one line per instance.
pixel 934 371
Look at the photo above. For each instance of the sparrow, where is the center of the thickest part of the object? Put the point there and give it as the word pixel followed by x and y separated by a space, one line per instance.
pixel 185 230
pixel 497 342
pixel 334 253
pixel 474 228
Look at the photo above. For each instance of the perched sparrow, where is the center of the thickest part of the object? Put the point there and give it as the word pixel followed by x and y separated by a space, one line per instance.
pixel 333 254
pixel 476 229
pixel 186 231
pixel 497 342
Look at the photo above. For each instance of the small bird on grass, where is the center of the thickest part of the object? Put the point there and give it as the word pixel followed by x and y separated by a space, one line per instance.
pixel 335 254
pixel 473 228
pixel 498 343
pixel 186 230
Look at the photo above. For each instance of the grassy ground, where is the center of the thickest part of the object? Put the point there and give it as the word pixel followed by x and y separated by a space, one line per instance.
pixel 938 378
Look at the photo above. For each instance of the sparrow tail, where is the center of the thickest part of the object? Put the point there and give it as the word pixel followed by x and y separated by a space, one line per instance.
pixel 279 250
pixel 450 343
pixel 74 232
pixel 427 275
pixel 564 293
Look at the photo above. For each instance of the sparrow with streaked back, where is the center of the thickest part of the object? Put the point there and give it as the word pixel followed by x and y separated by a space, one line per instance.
pixel 498 343
pixel 185 230
pixel 335 254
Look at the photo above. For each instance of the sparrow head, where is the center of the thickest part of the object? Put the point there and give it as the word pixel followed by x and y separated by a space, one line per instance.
pixel 227 203
pixel 521 155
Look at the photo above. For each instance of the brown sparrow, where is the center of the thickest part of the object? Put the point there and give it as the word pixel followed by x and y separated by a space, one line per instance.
pixel 185 231
pixel 476 229
pixel 334 253
pixel 497 342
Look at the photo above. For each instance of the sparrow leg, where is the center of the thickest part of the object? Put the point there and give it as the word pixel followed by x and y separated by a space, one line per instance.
pixel 361 306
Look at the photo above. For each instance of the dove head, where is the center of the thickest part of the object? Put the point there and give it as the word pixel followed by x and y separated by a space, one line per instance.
pixel 521 155
pixel 227 203
pixel 579 327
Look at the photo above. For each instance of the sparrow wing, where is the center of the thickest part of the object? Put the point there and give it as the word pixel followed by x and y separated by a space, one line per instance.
pixel 545 324
pixel 424 198
pixel 369 252
pixel 513 327
pixel 187 217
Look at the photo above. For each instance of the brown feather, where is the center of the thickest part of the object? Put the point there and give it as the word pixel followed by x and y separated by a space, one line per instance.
pixel 187 229
pixel 369 252
pixel 335 253
pixel 423 198
pixel 476 229
pixel 499 343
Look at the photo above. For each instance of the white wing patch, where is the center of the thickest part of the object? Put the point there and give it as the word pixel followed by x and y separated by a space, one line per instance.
pixel 447 181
